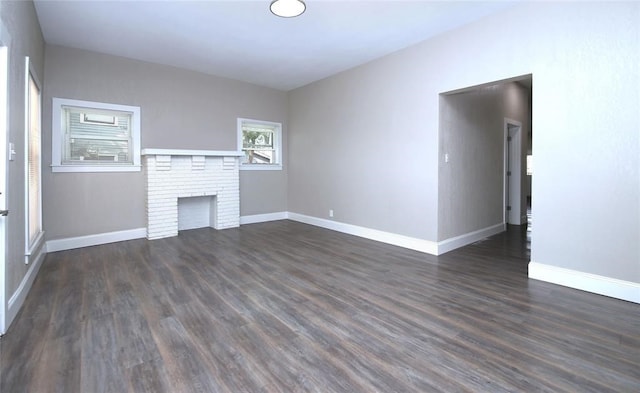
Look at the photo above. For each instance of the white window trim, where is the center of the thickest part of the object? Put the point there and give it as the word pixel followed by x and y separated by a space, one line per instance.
pixel 57 139
pixel 277 145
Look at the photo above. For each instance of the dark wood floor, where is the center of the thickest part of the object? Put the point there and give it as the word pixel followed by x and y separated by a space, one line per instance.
pixel 287 307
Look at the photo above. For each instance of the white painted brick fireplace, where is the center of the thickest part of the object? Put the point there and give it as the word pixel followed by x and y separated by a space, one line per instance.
pixel 206 181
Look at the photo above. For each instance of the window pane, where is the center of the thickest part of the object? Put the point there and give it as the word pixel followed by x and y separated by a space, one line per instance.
pixel 33 163
pixel 257 139
pixel 254 156
pixel 82 149
pixel 97 136
pixel 261 144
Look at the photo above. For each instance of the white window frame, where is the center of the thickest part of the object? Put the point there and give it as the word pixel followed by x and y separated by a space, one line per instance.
pixel 32 244
pixel 277 146
pixel 58 138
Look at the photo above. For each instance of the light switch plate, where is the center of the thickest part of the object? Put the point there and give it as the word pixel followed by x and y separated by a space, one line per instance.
pixel 12 151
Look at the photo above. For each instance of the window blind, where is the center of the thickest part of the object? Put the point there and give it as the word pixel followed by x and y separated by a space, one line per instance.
pixel 87 140
pixel 33 165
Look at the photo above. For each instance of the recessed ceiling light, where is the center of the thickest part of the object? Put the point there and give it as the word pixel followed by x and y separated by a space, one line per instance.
pixel 287 8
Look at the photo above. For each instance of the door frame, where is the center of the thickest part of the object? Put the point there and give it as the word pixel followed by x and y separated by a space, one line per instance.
pixel 512 185
pixel 5 41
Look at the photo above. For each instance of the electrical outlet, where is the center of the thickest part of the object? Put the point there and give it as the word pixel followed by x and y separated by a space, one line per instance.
pixel 331 213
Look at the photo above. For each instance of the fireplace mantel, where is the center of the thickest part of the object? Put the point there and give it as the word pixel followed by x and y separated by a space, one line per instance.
pixel 187 152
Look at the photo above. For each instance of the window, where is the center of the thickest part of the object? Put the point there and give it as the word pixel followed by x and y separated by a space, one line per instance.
pixel 32 163
pixel 95 137
pixel 261 145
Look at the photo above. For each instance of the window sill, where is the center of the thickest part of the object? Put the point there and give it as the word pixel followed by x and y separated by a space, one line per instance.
pixel 96 168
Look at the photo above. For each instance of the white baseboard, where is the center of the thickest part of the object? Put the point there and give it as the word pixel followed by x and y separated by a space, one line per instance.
pixel 94 240
pixel 619 289
pixel 412 243
pixel 18 297
pixel 468 238
pixel 256 218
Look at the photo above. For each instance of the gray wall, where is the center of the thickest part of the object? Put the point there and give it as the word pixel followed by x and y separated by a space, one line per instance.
pixel 20 21
pixel 360 145
pixel 179 110
pixel 471 184
pixel 365 142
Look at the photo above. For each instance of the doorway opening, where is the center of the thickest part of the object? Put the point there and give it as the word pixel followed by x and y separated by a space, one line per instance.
pixel 513 172
pixel 484 138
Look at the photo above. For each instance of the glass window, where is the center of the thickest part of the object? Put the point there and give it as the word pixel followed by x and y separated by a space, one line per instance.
pixel 95 137
pixel 260 141
pixel 32 163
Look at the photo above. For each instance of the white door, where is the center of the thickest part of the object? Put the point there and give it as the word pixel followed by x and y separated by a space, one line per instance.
pixel 513 172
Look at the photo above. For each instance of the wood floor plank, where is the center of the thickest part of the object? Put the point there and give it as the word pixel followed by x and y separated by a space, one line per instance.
pixel 99 366
pixel 287 307
pixel 148 377
pixel 185 368
pixel 214 340
pixel 58 368
pixel 67 313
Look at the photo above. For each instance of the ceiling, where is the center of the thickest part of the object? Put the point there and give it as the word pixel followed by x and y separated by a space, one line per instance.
pixel 242 40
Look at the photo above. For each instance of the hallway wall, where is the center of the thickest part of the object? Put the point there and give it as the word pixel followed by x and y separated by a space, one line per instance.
pixel 471 184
